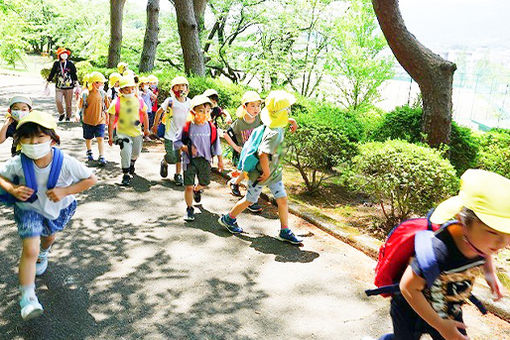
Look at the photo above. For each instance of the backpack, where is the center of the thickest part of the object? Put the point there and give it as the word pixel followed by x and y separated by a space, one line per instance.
pixel 249 157
pixel 85 104
pixel 117 110
pixel 410 238
pixel 187 141
pixel 28 171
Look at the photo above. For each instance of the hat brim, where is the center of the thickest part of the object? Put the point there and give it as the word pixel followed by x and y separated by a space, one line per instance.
pixel 446 210
pixel 501 224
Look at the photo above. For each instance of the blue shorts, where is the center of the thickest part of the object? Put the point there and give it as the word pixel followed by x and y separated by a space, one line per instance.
pixel 32 224
pixel 277 189
pixel 91 131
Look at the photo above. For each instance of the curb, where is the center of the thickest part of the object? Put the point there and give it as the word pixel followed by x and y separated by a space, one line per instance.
pixel 370 247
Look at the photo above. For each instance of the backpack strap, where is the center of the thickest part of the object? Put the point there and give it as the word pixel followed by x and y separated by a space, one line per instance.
pixel 28 171
pixel 214 133
pixel 56 166
pixel 425 256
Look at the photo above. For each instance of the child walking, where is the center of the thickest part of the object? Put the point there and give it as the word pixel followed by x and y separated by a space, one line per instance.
pixel 113 87
pixel 148 97
pixel 481 229
pixel 275 117
pixel 217 113
pixel 93 106
pixel 127 113
pixel 40 212
pixel 199 142
pixel 19 107
pixel 176 109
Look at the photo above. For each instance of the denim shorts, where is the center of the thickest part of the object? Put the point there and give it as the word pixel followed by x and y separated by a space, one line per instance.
pixel 91 131
pixel 32 224
pixel 277 189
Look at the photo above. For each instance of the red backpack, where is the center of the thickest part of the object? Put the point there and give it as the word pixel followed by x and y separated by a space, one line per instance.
pixel 185 133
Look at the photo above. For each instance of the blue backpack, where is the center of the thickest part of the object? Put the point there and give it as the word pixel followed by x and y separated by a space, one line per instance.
pixel 28 171
pixel 249 157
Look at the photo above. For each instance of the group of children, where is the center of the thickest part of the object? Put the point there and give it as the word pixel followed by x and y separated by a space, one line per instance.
pixel 40 181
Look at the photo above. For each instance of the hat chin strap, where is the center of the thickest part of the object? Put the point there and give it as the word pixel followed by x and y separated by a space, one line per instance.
pixel 471 245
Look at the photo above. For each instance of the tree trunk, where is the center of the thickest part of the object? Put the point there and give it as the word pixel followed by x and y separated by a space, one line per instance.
pixel 190 40
pixel 116 14
pixel 150 42
pixel 199 9
pixel 433 74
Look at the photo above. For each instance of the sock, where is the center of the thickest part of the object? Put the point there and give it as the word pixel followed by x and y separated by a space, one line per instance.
pixel 125 171
pixel 89 152
pixel 231 217
pixel 284 227
pixel 27 290
pixel 132 163
pixel 44 252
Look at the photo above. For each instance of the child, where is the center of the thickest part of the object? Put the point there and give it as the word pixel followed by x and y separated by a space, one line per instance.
pixel 129 112
pixel 113 87
pixel 153 86
pixel 40 214
pixel 176 109
pixel 268 172
pixel 147 96
pixel 122 67
pixel 94 106
pixel 217 113
pixel 19 107
pixel 482 228
pixel 199 142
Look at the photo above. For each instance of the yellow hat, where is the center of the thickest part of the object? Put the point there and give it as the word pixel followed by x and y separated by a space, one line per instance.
pixel 250 96
pixel 122 67
pixel 210 92
pixel 179 80
pixel 153 79
pixel 276 112
pixel 126 82
pixel 484 192
pixel 20 99
pixel 199 100
pixel 114 77
pixel 39 118
pixel 96 77
pixel 143 80
pixel 128 73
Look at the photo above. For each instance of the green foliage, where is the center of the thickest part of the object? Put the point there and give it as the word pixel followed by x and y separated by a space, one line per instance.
pixel 495 152
pixel 463 148
pixel 405 178
pixel 12 46
pixel 314 149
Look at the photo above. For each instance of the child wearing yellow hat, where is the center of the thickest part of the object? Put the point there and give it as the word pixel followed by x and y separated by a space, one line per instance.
pixel 41 209
pixel 268 172
pixel 481 229
pixel 19 107
pixel 148 97
pixel 199 142
pixel 113 87
pixel 217 113
pixel 153 86
pixel 93 105
pixel 175 110
pixel 127 114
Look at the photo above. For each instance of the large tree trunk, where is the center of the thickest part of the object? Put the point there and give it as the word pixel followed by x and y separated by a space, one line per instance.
pixel 190 40
pixel 199 8
pixel 116 14
pixel 150 42
pixel 433 74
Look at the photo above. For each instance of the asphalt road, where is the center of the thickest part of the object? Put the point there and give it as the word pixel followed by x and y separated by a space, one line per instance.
pixel 129 267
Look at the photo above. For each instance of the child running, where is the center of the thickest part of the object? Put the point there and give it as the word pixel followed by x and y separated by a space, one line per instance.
pixel 19 107
pixel 199 142
pixel 176 109
pixel 93 105
pixel 275 117
pixel 128 112
pixel 481 229
pixel 40 211
pixel 148 97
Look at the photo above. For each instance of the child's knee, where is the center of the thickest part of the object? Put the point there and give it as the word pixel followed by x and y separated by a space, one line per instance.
pixel 188 188
pixel 30 248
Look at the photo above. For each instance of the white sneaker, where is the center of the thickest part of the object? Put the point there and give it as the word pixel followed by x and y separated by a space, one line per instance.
pixel 42 263
pixel 30 307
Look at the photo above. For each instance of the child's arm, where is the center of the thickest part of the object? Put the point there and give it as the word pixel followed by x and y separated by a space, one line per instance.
pixel 411 287
pixel 56 194
pixel 231 142
pixel 145 123
pixel 293 124
pixel 156 120
pixel 228 117
pixel 110 129
pixel 21 192
pixel 489 270
pixel 3 130
pixel 264 164
pixel 220 163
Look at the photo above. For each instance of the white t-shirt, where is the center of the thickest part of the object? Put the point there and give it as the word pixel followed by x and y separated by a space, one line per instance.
pixel 180 113
pixel 72 172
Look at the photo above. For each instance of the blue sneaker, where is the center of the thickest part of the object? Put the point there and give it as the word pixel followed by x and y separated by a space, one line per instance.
pixel 190 214
pixel 101 160
pixel 288 236
pixel 230 224
pixel 90 157
pixel 30 307
pixel 255 208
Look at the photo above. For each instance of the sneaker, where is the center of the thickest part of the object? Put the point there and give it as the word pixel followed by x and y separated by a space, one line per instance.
pixel 90 157
pixel 234 188
pixel 178 179
pixel 230 224
pixel 68 119
pixel 197 195
pixel 125 180
pixel 163 169
pixel 101 160
pixel 132 169
pixel 30 307
pixel 288 236
pixel 255 208
pixel 190 214
pixel 41 264
pixel 61 118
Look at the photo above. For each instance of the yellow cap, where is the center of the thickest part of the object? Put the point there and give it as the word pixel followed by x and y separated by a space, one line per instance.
pixel 199 100
pixel 128 73
pixel 122 67
pixel 210 92
pixel 484 192
pixel 39 118
pixel 20 99
pixel 126 82
pixel 114 77
pixel 250 96
pixel 276 112
pixel 179 80
pixel 153 79
pixel 96 77
pixel 143 80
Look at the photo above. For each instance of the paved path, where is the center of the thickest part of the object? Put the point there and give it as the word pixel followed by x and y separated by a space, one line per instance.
pixel 129 267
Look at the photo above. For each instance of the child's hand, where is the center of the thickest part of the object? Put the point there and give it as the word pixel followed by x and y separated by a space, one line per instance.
pixel 238 148
pixel 263 177
pixel 184 148
pixel 56 194
pixel 495 285
pixel 146 132
pixel 220 165
pixel 449 330
pixel 110 140
pixel 21 192
pixel 194 151
pixel 293 125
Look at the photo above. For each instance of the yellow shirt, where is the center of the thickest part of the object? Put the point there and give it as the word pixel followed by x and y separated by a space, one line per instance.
pixel 129 123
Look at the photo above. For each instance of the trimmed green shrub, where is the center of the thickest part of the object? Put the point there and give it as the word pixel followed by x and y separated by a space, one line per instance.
pixel 314 149
pixel 405 178
pixel 494 152
pixel 463 148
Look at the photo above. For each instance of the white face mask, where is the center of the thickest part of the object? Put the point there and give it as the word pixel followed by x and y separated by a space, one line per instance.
pixel 36 151
pixel 128 95
pixel 18 114
pixel 63 56
pixel 145 87
pixel 116 88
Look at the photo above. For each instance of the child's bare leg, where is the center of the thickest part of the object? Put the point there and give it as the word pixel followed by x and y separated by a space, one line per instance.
pixel 100 145
pixel 239 207
pixel 283 211
pixel 178 167
pixel 188 195
pixel 27 262
pixel 47 241
pixel 88 144
pixel 199 187
pixel 239 178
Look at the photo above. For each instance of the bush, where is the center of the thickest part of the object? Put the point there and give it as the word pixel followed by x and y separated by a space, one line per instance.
pixel 463 148
pixel 405 178
pixel 315 149
pixel 494 152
